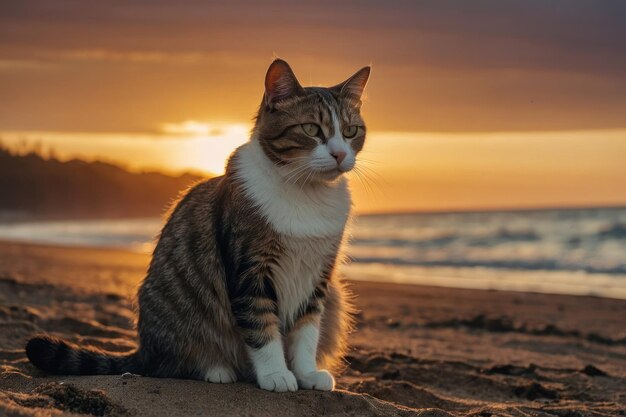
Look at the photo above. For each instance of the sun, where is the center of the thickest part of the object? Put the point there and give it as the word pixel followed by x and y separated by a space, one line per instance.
pixel 207 145
pixel 188 127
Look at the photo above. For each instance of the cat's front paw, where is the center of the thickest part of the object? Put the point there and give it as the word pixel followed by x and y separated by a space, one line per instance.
pixel 281 381
pixel 220 375
pixel 320 380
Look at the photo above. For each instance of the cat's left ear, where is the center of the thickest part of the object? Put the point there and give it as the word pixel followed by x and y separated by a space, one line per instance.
pixel 353 87
pixel 280 83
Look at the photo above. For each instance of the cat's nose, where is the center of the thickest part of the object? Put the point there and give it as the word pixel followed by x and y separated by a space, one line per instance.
pixel 339 156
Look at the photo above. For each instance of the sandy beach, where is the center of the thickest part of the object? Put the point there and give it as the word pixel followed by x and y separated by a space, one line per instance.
pixel 416 350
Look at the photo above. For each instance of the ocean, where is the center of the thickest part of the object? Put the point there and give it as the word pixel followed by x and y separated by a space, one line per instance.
pixel 570 251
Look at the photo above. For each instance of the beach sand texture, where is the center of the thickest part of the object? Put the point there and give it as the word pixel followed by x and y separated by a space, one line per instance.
pixel 417 351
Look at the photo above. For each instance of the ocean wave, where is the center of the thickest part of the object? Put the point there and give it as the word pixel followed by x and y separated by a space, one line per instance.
pixel 506 236
pixel 499 236
pixel 614 231
pixel 400 243
pixel 527 265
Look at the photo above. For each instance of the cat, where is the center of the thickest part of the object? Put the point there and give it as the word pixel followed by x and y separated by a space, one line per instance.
pixel 242 282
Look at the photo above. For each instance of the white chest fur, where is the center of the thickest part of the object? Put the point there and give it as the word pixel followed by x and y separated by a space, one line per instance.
pixel 292 210
pixel 298 272
pixel 310 221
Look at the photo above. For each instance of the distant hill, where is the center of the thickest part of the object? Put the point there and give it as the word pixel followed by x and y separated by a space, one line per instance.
pixel 32 187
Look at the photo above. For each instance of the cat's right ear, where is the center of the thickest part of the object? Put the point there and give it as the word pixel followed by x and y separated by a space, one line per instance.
pixel 280 83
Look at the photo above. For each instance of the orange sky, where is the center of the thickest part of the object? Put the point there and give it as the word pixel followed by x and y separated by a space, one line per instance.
pixel 470 105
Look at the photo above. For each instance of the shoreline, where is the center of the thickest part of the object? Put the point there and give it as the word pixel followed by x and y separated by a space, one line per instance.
pixel 480 279
pixel 416 350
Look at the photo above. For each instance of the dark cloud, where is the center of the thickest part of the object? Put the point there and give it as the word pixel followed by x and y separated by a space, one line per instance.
pixel 444 65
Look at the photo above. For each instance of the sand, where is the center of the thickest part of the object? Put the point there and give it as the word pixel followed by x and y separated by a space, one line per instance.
pixel 417 351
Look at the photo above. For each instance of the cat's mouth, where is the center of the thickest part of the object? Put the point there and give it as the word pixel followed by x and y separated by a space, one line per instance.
pixel 339 170
pixel 330 173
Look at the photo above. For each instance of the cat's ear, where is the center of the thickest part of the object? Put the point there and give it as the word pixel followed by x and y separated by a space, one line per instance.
pixel 353 87
pixel 280 82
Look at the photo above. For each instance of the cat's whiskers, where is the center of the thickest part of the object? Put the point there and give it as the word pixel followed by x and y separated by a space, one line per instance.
pixel 297 163
pixel 358 175
pixel 311 171
pixel 294 161
pixel 369 161
pixel 306 179
pixel 295 169
pixel 363 166
pixel 373 175
pixel 370 184
pixel 297 173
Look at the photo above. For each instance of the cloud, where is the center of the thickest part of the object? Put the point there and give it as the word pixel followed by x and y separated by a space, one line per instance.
pixel 445 65
pixel 571 35
pixel 194 128
pixel 24 65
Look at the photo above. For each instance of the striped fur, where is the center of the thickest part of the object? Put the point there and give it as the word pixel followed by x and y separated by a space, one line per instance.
pixel 57 356
pixel 242 282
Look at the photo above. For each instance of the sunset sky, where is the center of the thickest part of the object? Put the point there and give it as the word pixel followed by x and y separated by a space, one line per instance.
pixel 481 104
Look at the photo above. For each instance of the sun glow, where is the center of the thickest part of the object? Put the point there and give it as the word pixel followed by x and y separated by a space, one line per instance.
pixel 397 171
pixel 187 146
pixel 212 144
pixel 193 127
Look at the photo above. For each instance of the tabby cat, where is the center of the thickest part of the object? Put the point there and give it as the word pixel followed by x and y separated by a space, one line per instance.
pixel 242 282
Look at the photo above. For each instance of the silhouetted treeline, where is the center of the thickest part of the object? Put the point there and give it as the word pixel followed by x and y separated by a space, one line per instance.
pixel 34 187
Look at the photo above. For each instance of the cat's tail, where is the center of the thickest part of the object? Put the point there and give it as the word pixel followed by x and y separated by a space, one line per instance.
pixel 57 356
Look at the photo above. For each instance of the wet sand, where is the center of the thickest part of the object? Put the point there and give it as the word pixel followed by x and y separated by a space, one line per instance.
pixel 416 350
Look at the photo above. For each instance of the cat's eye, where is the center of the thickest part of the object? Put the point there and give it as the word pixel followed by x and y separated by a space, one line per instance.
pixel 350 131
pixel 311 129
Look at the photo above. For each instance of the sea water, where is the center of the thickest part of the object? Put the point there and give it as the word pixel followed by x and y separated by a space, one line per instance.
pixel 570 251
